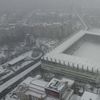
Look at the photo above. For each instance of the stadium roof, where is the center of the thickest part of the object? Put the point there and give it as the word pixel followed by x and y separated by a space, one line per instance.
pixel 58 56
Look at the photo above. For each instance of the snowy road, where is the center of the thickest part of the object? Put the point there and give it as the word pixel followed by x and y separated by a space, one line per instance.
pixel 19 76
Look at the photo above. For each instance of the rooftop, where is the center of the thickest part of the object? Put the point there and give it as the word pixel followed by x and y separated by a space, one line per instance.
pixel 56 85
pixel 33 86
pixel 38 88
pixel 57 55
pixel 90 96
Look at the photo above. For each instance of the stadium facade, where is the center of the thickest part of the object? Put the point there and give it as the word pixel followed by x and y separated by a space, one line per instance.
pixel 73 66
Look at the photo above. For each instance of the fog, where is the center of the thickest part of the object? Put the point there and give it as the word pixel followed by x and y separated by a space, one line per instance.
pixel 18 5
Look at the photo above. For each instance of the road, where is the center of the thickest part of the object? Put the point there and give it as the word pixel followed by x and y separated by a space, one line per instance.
pixel 82 21
pixel 13 62
pixel 15 73
pixel 9 83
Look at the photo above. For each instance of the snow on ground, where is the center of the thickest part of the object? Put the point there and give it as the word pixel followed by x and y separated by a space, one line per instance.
pixel 90 51
pixel 75 97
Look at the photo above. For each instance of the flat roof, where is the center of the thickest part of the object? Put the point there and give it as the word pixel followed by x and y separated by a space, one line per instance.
pixel 58 56
pixel 19 58
pixel 37 95
pixel 36 87
pixel 56 85
pixel 70 82
pixel 90 96
pixel 35 83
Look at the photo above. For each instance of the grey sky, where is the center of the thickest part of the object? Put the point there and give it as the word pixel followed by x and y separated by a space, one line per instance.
pixel 26 4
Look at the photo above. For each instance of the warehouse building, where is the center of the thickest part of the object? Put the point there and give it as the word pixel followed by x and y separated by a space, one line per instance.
pixel 38 89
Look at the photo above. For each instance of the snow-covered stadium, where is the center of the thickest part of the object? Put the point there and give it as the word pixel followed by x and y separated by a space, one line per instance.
pixel 78 58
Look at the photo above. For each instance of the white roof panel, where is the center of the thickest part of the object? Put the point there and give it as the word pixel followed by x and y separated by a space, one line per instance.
pixel 90 96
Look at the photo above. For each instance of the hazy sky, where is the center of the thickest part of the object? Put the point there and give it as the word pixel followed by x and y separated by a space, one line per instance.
pixel 26 4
